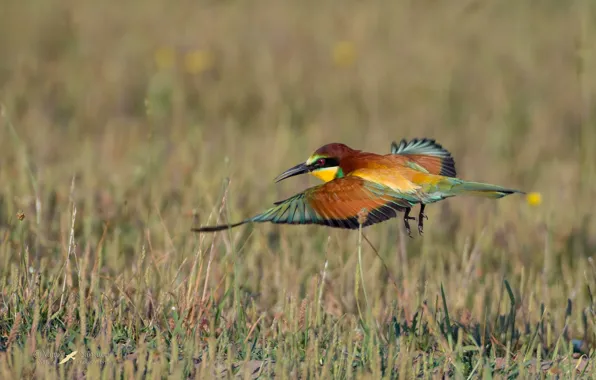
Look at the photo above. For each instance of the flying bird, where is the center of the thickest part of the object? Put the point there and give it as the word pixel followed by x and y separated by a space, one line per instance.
pixel 420 171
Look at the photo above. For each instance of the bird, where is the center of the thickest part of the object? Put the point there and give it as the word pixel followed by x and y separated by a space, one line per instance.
pixel 361 188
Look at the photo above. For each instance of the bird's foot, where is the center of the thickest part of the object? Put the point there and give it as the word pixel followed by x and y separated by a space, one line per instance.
pixel 421 218
pixel 407 224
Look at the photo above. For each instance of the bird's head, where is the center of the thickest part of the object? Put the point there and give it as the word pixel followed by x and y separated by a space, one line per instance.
pixel 324 163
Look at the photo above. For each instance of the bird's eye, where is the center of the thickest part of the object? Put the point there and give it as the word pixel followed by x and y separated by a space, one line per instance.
pixel 320 162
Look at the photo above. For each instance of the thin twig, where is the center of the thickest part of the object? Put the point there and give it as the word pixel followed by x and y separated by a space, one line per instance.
pixel 362 216
pixel 382 261
pixel 196 274
pixel 323 279
pixel 360 263
pixel 324 275
pixel 212 248
pixel 71 242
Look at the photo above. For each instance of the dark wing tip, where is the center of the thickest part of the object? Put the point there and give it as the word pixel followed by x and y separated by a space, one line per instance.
pixel 448 167
pixel 220 227
pixel 430 147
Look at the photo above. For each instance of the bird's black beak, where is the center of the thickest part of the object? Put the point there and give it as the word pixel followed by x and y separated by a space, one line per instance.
pixel 296 170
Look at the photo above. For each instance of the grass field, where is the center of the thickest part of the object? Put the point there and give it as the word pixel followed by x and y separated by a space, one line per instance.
pixel 124 124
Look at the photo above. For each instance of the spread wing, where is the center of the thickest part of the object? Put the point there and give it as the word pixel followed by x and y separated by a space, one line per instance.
pixel 337 204
pixel 425 155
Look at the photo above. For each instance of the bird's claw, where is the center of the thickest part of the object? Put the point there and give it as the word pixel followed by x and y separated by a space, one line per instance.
pixel 407 225
pixel 409 232
pixel 421 218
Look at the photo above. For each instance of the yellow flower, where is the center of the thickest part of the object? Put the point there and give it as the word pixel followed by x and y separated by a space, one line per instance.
pixel 534 199
pixel 198 61
pixel 344 53
pixel 165 57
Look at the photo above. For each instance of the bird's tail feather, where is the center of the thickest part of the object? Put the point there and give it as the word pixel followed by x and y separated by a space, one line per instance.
pixel 479 189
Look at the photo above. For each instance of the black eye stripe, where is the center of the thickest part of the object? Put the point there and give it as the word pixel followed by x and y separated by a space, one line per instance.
pixel 328 162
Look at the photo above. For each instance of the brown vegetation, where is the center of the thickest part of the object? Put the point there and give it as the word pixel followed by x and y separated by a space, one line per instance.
pixel 123 124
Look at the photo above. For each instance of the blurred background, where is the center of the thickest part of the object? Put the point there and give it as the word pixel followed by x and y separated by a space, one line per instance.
pixel 151 105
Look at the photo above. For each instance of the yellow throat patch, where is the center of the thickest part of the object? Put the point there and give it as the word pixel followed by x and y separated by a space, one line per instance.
pixel 325 174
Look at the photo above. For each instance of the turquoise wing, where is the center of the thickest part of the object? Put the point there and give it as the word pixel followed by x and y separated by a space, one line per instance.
pixel 338 203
